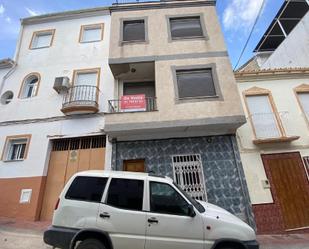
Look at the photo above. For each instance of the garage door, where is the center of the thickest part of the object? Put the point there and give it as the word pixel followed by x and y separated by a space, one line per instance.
pixel 67 157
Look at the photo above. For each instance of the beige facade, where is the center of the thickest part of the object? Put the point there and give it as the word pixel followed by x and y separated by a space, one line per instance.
pixel 221 114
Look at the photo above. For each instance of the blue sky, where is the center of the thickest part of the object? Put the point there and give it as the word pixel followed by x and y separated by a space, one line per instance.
pixel 236 17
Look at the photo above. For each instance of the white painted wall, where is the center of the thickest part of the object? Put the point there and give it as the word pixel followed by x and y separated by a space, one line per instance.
pixel 61 59
pixel 65 55
pixel 36 163
pixel 294 122
pixel 294 50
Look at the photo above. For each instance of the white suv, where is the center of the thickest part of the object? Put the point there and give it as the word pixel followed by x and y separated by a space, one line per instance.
pixel 123 210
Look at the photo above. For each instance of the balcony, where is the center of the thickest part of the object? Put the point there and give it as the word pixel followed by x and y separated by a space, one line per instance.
pixel 80 100
pixel 149 104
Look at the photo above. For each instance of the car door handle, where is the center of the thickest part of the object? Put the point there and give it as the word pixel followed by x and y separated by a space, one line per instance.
pixel 105 215
pixel 153 220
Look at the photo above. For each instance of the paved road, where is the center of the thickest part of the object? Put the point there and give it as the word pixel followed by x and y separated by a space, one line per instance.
pixel 25 239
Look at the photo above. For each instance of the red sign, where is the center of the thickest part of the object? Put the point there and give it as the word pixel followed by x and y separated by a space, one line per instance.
pixel 133 102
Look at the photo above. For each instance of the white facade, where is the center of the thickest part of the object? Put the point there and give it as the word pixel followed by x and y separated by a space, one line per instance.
pixel 295 123
pixel 293 51
pixel 41 115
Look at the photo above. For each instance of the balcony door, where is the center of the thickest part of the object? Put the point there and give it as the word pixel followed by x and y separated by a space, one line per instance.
pixel 85 86
pixel 133 88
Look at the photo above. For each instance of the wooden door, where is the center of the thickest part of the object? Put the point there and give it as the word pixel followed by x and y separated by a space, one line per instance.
pixel 68 157
pixel 290 188
pixel 134 165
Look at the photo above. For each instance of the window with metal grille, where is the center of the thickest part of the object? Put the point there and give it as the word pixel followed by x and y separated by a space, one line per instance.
pixel 189 175
pixel 17 149
pixel 79 143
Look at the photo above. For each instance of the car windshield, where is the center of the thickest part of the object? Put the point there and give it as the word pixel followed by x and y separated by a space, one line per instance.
pixel 194 202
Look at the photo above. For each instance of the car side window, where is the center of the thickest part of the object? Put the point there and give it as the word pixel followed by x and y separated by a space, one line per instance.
pixel 85 188
pixel 165 199
pixel 126 194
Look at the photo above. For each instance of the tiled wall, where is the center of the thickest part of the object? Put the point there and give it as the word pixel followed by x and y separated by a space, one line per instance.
pixel 224 177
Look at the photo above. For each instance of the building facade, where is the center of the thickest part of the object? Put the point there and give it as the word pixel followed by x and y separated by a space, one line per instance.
pixel 51 128
pixel 136 87
pixel 176 106
pixel 274 143
pixel 274 147
pixel 285 42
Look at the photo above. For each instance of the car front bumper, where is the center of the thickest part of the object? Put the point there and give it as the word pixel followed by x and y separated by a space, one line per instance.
pixel 59 237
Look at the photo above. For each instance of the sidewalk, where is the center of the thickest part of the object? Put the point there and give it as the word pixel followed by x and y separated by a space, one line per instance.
pixel 28 235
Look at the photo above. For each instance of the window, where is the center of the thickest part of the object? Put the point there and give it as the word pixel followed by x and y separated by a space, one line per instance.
pixel 91 33
pixel 165 199
pixel 186 27
pixel 87 189
pixel 42 39
pixel 16 148
pixel 126 194
pixel 195 83
pixel 189 175
pixel 134 30
pixel 89 78
pixel 304 102
pixel 263 117
pixel 86 77
pixel 30 86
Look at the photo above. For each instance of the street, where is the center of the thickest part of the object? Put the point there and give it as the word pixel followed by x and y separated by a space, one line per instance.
pixel 13 238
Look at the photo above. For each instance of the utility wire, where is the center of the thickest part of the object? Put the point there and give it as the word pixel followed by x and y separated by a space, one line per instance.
pixel 253 27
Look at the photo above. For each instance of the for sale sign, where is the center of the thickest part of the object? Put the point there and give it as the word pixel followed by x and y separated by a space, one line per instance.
pixel 133 103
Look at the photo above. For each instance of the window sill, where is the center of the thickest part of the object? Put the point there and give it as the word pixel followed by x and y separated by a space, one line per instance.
pixel 40 47
pixel 197 99
pixel 90 41
pixel 189 38
pixel 275 140
pixel 11 161
pixel 133 42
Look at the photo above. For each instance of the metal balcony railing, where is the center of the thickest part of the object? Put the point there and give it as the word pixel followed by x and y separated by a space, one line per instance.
pixel 115 105
pixel 83 95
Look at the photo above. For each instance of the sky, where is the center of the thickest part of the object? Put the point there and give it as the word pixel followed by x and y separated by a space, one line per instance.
pixel 236 18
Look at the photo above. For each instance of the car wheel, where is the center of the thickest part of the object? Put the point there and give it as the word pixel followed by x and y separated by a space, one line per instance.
pixel 229 247
pixel 91 244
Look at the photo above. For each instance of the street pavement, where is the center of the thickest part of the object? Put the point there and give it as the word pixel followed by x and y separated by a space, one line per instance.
pixel 29 236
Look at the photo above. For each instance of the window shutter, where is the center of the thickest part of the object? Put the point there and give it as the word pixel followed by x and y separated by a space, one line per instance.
pixel 263 118
pixel 186 27
pixel 134 30
pixel 304 100
pixel 89 79
pixel 42 41
pixel 93 34
pixel 195 83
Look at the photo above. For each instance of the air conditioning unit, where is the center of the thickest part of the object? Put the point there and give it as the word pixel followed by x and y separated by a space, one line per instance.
pixel 61 84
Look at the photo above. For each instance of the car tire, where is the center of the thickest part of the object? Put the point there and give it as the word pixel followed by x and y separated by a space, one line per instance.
pixel 91 244
pixel 230 247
